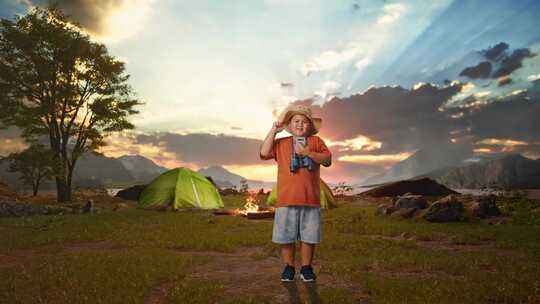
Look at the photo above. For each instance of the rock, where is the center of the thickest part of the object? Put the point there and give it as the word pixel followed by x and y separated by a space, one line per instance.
pixel 447 209
pixel 383 209
pixel 404 212
pixel 88 207
pixel 230 191
pixel 18 209
pixel 412 201
pixel 485 206
pixel 405 235
pixel 120 206
pixel 131 193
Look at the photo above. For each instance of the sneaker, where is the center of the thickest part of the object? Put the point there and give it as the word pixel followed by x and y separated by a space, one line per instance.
pixel 288 274
pixel 306 274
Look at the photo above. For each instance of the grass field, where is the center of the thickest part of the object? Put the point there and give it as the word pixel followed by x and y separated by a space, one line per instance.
pixel 137 256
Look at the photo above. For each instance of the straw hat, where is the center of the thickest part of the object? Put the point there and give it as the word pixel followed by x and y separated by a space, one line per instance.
pixel 293 109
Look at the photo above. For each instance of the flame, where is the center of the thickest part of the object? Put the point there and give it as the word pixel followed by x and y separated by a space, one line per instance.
pixel 251 205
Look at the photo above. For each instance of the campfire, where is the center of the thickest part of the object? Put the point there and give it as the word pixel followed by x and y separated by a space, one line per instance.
pixel 251 209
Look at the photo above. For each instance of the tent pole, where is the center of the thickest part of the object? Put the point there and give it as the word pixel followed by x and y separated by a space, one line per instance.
pixel 196 193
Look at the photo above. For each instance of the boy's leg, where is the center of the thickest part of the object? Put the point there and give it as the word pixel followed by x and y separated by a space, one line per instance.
pixel 306 253
pixel 287 253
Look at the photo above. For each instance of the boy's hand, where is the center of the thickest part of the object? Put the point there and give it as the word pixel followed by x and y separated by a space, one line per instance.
pixel 302 150
pixel 276 128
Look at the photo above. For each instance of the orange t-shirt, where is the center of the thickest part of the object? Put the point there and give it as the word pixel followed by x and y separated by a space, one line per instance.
pixel 303 186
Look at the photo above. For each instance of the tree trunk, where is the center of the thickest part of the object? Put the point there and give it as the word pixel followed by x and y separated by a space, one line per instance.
pixel 62 193
pixel 35 188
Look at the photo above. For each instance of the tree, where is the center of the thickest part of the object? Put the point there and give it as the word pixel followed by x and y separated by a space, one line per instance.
pixel 34 164
pixel 342 188
pixel 56 82
pixel 244 185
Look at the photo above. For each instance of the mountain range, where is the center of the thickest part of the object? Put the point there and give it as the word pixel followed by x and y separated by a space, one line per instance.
pixel 424 161
pixel 97 170
pixel 512 171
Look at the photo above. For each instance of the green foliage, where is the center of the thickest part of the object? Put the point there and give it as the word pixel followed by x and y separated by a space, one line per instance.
pixel 34 164
pixel 56 82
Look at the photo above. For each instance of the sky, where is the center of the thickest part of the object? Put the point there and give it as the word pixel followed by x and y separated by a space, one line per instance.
pixel 387 77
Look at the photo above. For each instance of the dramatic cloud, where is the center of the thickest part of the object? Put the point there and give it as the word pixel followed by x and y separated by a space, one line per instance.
pixel 496 52
pixel 400 119
pixel 513 117
pixel 513 62
pixel 206 149
pixel 505 64
pixel 107 19
pixel 481 70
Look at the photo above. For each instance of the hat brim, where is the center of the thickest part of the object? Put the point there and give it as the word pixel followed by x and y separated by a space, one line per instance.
pixel 315 122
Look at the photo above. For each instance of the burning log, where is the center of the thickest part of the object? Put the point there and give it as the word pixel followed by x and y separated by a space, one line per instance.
pixel 260 215
pixel 251 210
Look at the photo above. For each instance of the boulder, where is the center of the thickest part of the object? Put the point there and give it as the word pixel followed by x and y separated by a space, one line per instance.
pixel 383 209
pixel 404 212
pixel 412 201
pixel 485 206
pixel 447 209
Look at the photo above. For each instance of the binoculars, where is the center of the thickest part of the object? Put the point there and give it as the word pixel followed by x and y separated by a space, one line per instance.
pixel 298 162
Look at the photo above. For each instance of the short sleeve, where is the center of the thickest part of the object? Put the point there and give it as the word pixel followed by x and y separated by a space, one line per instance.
pixel 322 148
pixel 272 152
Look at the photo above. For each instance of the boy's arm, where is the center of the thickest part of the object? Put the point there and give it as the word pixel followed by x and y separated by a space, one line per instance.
pixel 267 151
pixel 323 158
pixel 323 155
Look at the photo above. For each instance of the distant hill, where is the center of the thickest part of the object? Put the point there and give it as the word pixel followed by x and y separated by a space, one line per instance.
pixel 512 171
pixel 423 161
pixel 92 170
pixel 227 179
pixel 141 168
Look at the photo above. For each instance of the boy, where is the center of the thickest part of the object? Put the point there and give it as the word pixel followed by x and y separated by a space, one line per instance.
pixel 299 158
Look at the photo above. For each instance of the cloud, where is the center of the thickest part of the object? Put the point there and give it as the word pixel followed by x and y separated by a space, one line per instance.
pixel 514 116
pixel 378 159
pixel 399 118
pixel 205 149
pixel 108 20
pixel 513 62
pixel 330 59
pixel 502 81
pixel 11 141
pixel 286 84
pixel 362 64
pixel 533 77
pixel 496 52
pixel 504 64
pixel 392 12
pixel 481 70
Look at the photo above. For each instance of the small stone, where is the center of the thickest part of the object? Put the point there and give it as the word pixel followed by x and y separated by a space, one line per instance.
pixel 88 207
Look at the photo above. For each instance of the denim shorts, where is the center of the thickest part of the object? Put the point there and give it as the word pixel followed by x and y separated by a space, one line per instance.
pixel 297 223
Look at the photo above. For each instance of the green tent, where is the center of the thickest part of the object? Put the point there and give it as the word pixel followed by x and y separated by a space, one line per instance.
pixel 327 198
pixel 180 188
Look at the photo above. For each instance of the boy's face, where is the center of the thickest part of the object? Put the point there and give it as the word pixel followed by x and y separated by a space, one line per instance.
pixel 299 125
